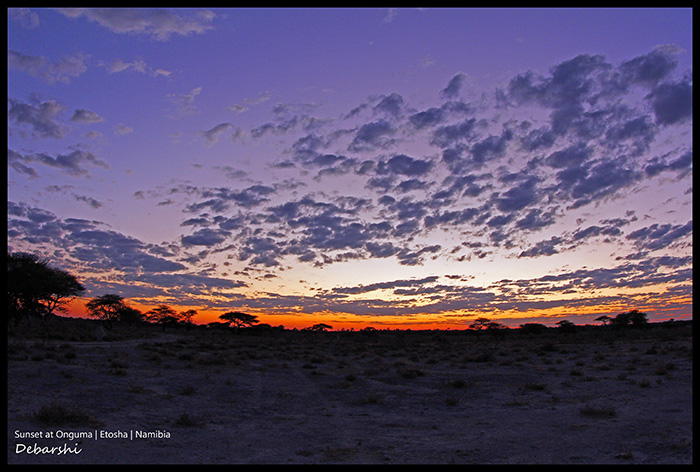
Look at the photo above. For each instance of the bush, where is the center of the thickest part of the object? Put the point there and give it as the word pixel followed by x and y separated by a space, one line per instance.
pixel 593 411
pixel 59 415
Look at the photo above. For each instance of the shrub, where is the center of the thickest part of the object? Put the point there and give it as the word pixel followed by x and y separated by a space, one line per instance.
pixel 189 390
pixel 451 401
pixel 607 411
pixel 59 415
pixel 187 421
pixel 373 398
pixel 534 386
pixel 408 373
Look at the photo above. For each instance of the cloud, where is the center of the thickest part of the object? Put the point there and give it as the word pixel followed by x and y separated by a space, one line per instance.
pixel 660 236
pixel 391 105
pixel 122 129
pixel 85 116
pixel 73 163
pixel 211 136
pixel 24 16
pixel 138 65
pixel 158 23
pixel 41 117
pixel 672 102
pixel 450 135
pixel 205 237
pixel 50 72
pixel 402 164
pixel 91 202
pixel 372 136
pixel 454 86
pixel 501 176
pixel 651 68
pixel 184 102
pixel 658 165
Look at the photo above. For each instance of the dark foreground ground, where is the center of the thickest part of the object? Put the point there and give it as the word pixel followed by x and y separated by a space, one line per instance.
pixel 360 398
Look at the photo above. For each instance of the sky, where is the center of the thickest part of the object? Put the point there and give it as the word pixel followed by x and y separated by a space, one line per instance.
pixel 393 168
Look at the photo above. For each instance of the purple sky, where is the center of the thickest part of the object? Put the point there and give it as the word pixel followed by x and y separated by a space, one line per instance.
pixel 346 165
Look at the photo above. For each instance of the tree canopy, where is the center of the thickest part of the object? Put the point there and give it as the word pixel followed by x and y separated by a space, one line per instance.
pixel 107 308
pixel 35 288
pixel 238 319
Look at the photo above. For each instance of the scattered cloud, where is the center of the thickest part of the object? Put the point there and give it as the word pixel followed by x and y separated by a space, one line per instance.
pixel 62 70
pixel 157 23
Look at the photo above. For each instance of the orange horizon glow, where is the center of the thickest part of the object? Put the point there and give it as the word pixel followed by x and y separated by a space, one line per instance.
pixel 427 321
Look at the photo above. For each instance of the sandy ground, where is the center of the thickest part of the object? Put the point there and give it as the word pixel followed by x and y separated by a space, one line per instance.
pixel 362 399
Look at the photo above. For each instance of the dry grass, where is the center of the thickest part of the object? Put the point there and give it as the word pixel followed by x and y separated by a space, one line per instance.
pixel 384 397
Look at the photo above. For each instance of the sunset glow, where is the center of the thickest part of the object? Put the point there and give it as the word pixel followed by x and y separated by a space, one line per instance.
pixel 400 168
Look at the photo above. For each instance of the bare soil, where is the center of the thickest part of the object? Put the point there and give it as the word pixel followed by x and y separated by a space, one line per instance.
pixel 324 398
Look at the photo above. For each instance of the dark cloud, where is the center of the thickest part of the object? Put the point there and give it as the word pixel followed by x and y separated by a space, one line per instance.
pixel 97 248
pixel 86 116
pixel 639 131
pixel 372 136
pixel 212 135
pixel 41 117
pixel 651 68
pixel 491 147
pixel 454 86
pixel 536 219
pixel 571 156
pixel 427 118
pixel 385 285
pixel 205 237
pixel 391 105
pixel 449 135
pixel 518 197
pixel 543 248
pixel 404 165
pixel 602 179
pixel 220 199
pixel 74 163
pixel 672 102
pixel 659 236
pixel 51 72
pixel 658 165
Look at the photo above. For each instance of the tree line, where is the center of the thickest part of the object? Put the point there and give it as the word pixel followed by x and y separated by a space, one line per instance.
pixel 37 290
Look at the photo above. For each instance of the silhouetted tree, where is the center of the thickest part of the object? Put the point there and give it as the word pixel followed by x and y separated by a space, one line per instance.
pixel 495 329
pixel 130 315
pixel 34 288
pixel 566 326
pixel 319 327
pixel 163 315
pixel 108 308
pixel 238 319
pixel 479 324
pixel 638 319
pixel 533 328
pixel 605 319
pixel 186 316
pixel 633 317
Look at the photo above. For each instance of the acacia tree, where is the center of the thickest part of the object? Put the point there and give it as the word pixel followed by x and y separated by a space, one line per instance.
pixel 107 308
pixel 634 317
pixel 34 288
pixel 163 315
pixel 479 324
pixel 186 316
pixel 566 326
pixel 319 327
pixel 238 319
